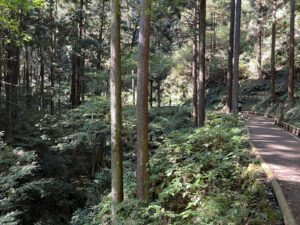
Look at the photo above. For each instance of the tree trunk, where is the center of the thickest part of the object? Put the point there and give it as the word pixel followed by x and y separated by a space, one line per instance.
pixel 115 109
pixel 27 74
pixel 134 34
pixel 52 54
pixel 158 94
pixel 42 85
pixel 202 30
pixel 291 99
pixel 73 75
pixel 143 168
pixel 11 80
pixel 258 56
pixel 272 89
pixel 194 72
pixel 79 59
pixel 235 83
pixel 151 93
pixel 213 33
pixel 59 95
pixel 101 25
pixel 133 88
pixel 230 57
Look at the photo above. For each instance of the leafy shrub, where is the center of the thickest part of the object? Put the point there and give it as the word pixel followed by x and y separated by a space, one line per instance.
pixel 198 176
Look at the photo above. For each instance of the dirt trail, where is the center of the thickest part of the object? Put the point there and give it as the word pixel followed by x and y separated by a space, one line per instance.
pixel 281 152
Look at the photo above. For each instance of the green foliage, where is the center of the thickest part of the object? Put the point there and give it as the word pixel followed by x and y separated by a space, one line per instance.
pixel 198 176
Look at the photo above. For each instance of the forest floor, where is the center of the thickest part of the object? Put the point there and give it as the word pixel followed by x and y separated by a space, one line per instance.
pixel 281 151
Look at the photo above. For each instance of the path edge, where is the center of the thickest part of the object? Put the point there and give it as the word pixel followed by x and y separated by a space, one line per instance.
pixel 283 205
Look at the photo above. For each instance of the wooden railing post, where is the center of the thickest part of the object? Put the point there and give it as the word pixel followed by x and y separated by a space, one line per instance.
pixel 280 113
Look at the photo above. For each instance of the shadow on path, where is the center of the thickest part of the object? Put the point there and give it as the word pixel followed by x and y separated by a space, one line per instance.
pixel 281 152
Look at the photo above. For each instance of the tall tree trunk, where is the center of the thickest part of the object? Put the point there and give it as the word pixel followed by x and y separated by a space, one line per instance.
pixel 194 72
pixel 59 95
pixel 235 83
pixel 258 56
pixel 115 108
pixel 133 88
pixel 73 75
pixel 79 57
pixel 143 170
pixel 201 94
pixel 151 93
pixel 11 80
pixel 52 53
pixel 134 34
pixel 42 85
pixel 213 33
pixel 292 55
pixel 27 74
pixel 230 57
pixel 158 94
pixel 272 89
pixel 101 25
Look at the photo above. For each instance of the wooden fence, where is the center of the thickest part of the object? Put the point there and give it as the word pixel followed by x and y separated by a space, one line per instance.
pixel 286 126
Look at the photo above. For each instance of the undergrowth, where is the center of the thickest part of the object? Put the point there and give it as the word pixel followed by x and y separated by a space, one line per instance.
pixel 198 176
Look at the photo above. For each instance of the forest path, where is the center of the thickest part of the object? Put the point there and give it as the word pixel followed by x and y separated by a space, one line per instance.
pixel 281 152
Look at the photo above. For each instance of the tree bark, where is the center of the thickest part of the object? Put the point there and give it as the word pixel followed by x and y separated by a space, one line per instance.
pixel 201 91
pixel 272 89
pixel 11 80
pixel 151 93
pixel 133 88
pixel 27 74
pixel 42 85
pixel 79 58
pixel 235 83
pixel 158 94
pixel 143 168
pixel 258 56
pixel 230 57
pixel 115 109
pixel 101 25
pixel 194 72
pixel 291 99
pixel 52 54
pixel 134 34
pixel 73 75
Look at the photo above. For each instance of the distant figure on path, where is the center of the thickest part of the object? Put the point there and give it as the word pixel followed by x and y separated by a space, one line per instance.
pixel 240 104
pixel 170 102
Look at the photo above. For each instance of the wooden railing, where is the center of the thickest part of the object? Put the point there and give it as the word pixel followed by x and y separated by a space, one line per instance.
pixel 286 126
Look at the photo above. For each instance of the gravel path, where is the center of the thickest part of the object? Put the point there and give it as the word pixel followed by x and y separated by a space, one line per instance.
pixel 281 152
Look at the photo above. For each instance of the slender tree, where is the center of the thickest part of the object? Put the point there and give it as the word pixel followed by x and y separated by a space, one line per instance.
pixel 292 54
pixel 143 170
pixel 194 72
pixel 79 59
pixel 115 108
pixel 11 80
pixel 42 82
pixel 53 15
pixel 133 87
pixel 100 38
pixel 230 57
pixel 201 91
pixel 272 89
pixel 235 87
pixel 27 74
pixel 258 55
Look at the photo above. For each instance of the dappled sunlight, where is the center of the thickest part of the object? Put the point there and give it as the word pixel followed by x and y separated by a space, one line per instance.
pixel 281 152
